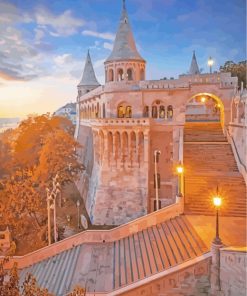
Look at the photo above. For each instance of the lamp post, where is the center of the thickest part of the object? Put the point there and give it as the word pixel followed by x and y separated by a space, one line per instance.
pixel 210 64
pixel 180 173
pixel 156 160
pixel 49 214
pixel 78 213
pixel 217 203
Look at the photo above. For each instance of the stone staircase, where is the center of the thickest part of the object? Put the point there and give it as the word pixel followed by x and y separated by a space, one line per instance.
pixel 209 162
pixel 153 250
pixel 108 266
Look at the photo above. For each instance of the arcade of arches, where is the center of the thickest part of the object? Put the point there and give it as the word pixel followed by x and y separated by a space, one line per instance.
pixel 120 147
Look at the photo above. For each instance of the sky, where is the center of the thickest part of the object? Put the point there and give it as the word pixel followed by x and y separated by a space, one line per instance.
pixel 43 44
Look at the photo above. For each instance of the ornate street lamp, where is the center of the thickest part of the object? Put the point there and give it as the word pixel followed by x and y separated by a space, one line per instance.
pixel 210 64
pixel 217 200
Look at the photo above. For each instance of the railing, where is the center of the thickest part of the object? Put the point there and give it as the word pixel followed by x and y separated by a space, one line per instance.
pixel 241 166
pixel 96 236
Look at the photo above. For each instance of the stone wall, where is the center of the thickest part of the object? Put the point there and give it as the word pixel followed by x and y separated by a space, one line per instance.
pixel 233 262
pixel 191 281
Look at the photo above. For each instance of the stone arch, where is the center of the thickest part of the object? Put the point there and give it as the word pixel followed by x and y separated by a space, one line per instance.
pixel 124 110
pixel 130 74
pixel 158 109
pixel 120 74
pixel 125 146
pixel 140 146
pixel 142 74
pixel 101 144
pixel 117 144
pixel 220 105
pixel 103 110
pixel 133 146
pixel 170 112
pixel 110 144
pixel 146 111
pixel 97 113
pixel 110 75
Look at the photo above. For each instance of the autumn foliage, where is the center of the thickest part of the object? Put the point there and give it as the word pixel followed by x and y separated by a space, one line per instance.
pixel 30 157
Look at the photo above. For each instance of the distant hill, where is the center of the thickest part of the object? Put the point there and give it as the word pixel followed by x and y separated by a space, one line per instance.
pixel 6 123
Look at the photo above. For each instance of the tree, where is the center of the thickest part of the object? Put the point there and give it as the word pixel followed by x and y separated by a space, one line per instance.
pixel 39 149
pixel 236 69
pixel 10 284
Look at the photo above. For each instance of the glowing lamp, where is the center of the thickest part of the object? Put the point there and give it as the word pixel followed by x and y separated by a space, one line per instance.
pixel 217 201
pixel 203 99
pixel 180 169
pixel 210 62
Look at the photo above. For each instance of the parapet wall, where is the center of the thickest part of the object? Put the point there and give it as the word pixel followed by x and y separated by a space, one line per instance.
pixel 233 271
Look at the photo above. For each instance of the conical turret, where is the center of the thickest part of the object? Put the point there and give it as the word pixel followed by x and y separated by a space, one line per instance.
pixel 194 69
pixel 89 80
pixel 132 66
pixel 124 46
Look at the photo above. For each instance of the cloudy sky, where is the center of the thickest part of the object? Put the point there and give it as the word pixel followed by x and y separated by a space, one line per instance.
pixel 43 43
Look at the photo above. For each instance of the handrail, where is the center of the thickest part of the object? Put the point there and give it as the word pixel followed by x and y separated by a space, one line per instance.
pixel 235 149
pixel 99 236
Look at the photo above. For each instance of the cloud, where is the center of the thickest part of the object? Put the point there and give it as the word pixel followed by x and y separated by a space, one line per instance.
pixel 106 35
pixel 63 59
pixel 64 24
pixel 108 45
pixel 39 34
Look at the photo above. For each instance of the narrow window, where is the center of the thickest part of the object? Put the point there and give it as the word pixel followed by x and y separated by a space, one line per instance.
pixel 128 112
pixel 154 112
pixel 158 180
pixel 169 112
pixel 162 112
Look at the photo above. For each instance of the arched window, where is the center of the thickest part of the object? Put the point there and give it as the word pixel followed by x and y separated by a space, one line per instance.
pixel 154 111
pixel 146 111
pixel 128 113
pixel 121 112
pixel 111 75
pixel 120 75
pixel 169 112
pixel 130 74
pixel 142 74
pixel 162 111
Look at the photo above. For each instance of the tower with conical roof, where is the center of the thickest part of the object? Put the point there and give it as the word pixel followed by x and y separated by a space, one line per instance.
pixel 89 80
pixel 194 69
pixel 124 63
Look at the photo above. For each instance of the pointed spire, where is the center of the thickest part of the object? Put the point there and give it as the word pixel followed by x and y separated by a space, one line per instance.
pixel 124 45
pixel 88 77
pixel 194 69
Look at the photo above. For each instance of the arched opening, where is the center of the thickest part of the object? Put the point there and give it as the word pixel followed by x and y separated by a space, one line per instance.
pixel 140 147
pixel 169 112
pixel 120 111
pixel 125 146
pixel 120 75
pixel 124 110
pixel 130 74
pixel 111 75
pixel 97 114
pixel 146 111
pixel 132 147
pixel 142 74
pixel 117 145
pixel 162 111
pixel 128 113
pixel 103 110
pixel 154 112
pixel 204 107
pixel 110 144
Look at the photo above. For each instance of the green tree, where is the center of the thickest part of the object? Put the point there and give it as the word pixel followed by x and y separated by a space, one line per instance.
pixel 236 69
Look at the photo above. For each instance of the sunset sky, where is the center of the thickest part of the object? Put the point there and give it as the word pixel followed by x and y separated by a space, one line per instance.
pixel 43 43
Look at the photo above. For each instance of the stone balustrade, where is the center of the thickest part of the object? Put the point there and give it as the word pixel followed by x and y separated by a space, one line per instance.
pixel 116 122
pixel 95 236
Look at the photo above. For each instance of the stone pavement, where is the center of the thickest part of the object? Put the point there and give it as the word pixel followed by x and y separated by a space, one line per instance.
pixel 232 229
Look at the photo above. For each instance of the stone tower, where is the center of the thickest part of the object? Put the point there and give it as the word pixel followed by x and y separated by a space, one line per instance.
pixel 124 63
pixel 194 69
pixel 89 80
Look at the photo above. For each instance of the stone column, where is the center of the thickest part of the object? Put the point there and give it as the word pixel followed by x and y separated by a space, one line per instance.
pixel 215 270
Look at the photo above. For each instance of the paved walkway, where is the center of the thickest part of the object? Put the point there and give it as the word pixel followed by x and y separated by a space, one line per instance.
pixel 232 229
